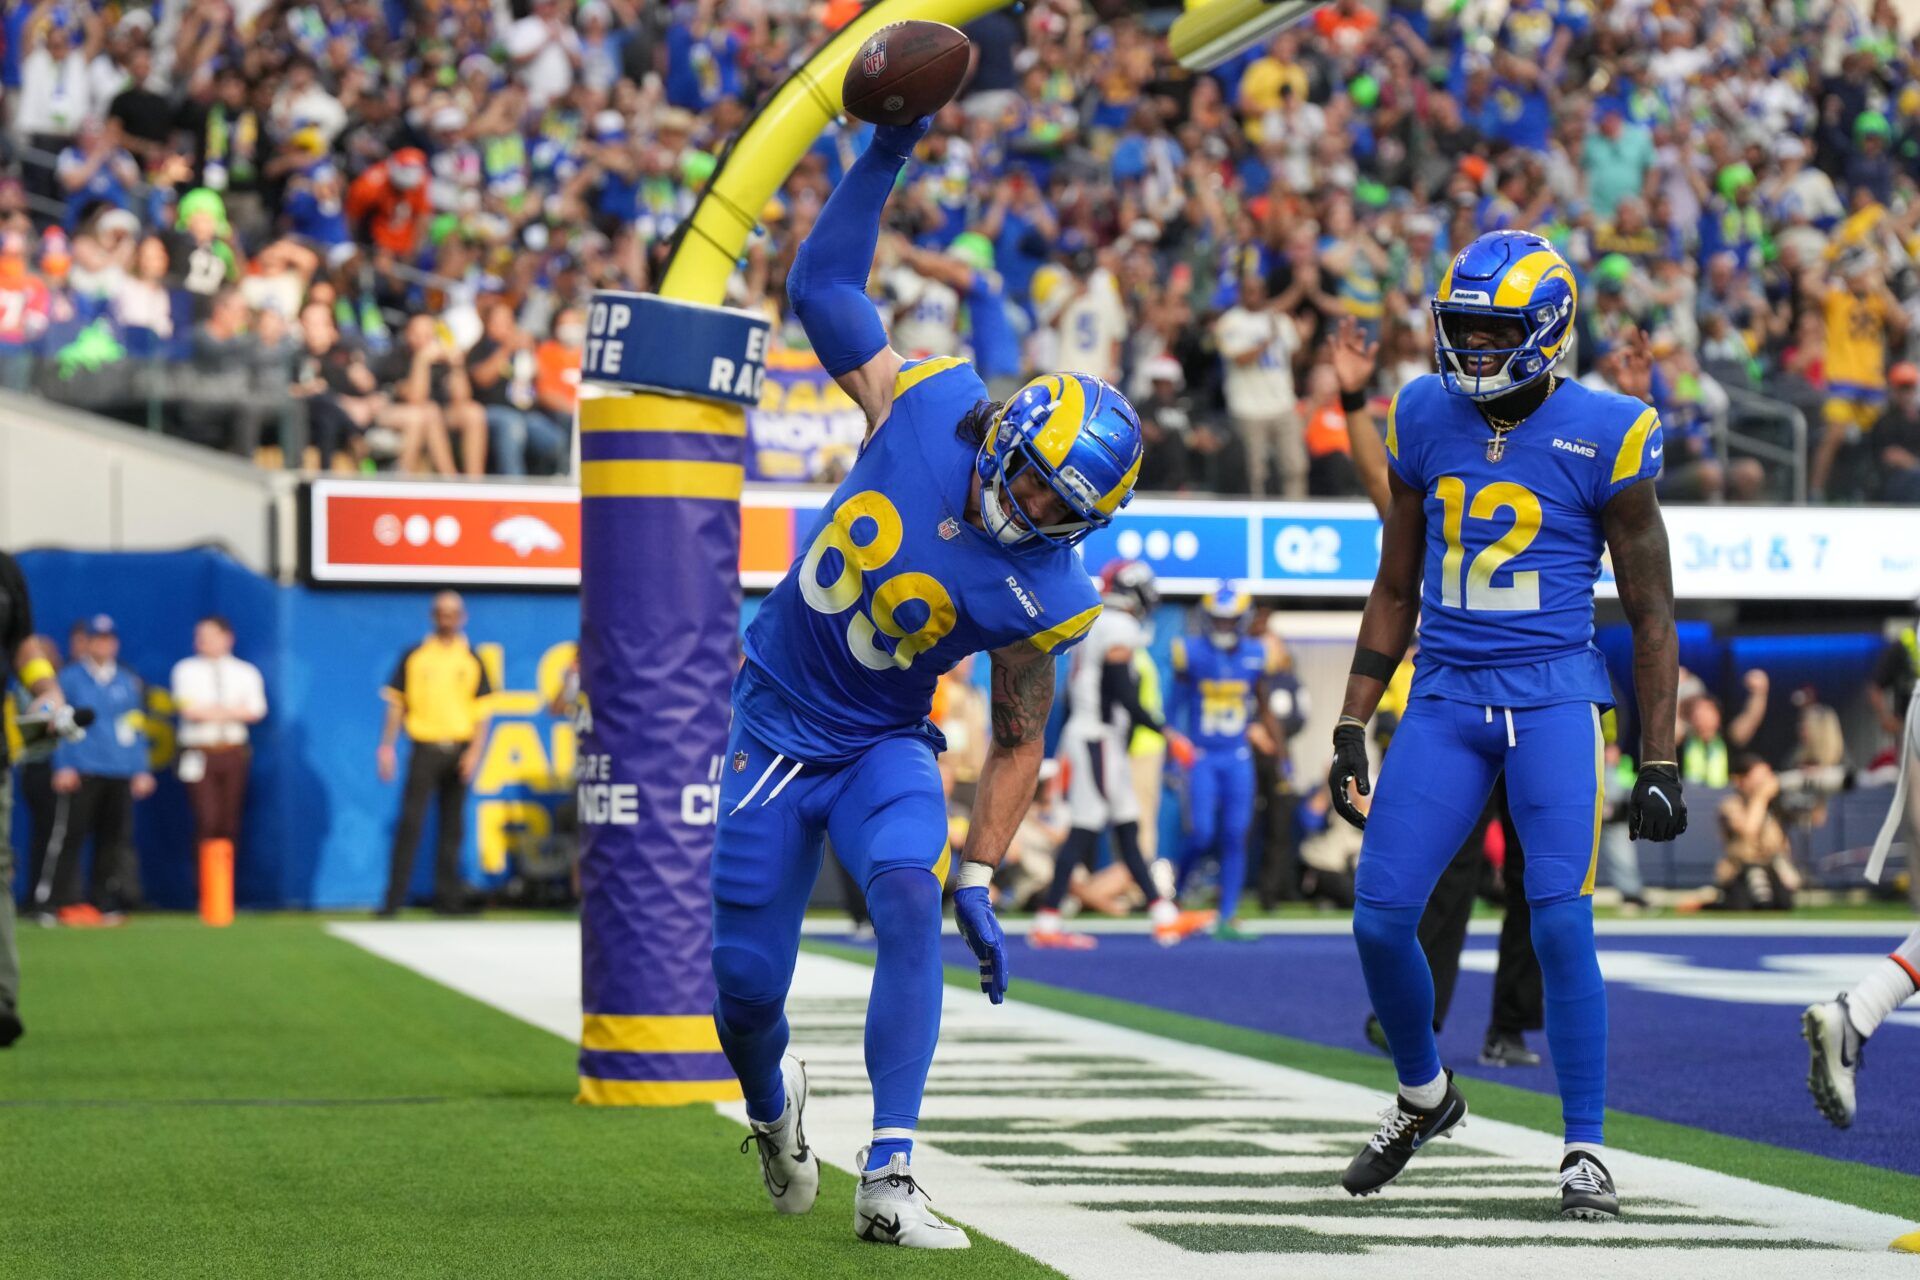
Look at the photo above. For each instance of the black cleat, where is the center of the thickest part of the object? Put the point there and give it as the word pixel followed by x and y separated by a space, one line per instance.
pixel 10 1028
pixel 1377 1035
pixel 1586 1189
pixel 1507 1049
pixel 1404 1129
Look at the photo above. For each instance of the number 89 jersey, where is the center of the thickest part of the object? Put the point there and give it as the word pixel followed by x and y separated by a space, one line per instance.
pixel 1514 539
pixel 893 586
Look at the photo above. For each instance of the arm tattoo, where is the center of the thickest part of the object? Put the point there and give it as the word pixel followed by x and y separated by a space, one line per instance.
pixel 1643 568
pixel 1022 700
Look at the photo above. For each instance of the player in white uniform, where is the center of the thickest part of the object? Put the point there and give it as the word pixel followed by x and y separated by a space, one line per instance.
pixel 1103 706
pixel 1837 1029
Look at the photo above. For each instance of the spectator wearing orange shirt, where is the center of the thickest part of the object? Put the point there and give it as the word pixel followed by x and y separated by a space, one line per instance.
pixel 1345 24
pixel 25 306
pixel 556 366
pixel 389 202
pixel 1330 470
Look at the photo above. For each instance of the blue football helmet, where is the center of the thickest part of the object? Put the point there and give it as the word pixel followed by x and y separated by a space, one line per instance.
pixel 1504 278
pixel 1227 607
pixel 1083 439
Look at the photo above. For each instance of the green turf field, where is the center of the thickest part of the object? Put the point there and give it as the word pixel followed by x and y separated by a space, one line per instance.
pixel 271 1101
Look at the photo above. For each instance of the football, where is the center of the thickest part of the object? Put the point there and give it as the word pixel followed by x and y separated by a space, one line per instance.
pixel 905 71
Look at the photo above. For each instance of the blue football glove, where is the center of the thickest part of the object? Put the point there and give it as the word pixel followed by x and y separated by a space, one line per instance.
pixel 973 912
pixel 900 139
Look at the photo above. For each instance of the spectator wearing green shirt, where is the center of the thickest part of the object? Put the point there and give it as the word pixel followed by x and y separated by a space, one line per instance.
pixel 1618 158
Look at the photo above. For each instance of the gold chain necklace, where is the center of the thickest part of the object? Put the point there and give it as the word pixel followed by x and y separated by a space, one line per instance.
pixel 1497 446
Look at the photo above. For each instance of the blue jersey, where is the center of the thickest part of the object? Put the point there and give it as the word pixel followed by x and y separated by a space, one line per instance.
pixel 1513 546
pixel 996 347
pixel 1216 691
pixel 116 745
pixel 895 587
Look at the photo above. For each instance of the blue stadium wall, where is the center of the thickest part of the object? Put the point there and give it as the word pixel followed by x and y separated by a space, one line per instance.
pixel 319 821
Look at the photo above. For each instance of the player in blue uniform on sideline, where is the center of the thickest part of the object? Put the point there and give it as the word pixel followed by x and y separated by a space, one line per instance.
pixel 1507 484
pixel 1219 693
pixel 953 533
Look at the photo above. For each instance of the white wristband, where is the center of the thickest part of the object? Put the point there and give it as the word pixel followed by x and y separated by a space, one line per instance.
pixel 973 875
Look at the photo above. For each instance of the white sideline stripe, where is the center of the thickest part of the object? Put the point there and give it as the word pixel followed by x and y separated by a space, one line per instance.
pixel 531 970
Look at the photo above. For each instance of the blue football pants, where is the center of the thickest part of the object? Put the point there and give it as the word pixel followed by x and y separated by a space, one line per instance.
pixel 888 820
pixel 1439 770
pixel 1220 813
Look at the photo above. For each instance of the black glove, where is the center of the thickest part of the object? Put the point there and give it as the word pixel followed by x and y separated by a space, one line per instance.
pixel 1349 762
pixel 1656 811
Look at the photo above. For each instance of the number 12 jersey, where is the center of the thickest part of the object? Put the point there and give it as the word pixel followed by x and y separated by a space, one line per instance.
pixel 1514 537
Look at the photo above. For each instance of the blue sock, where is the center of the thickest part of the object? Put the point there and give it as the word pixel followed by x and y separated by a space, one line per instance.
pixel 1203 828
pixel 903 1012
pixel 1400 985
pixel 1233 872
pixel 754 1038
pixel 1576 999
pixel 883 1150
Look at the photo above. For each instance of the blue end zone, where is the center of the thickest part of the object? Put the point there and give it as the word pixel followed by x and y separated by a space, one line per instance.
pixel 1715 1059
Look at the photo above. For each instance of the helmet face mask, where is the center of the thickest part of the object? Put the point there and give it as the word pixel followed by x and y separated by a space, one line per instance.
pixel 1506 358
pixel 1007 518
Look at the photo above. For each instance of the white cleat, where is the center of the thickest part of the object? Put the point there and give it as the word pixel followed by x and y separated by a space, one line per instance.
pixel 890 1208
pixel 1835 1056
pixel 788 1166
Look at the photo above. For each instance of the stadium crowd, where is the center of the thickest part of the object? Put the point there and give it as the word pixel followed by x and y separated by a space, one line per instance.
pixel 359 232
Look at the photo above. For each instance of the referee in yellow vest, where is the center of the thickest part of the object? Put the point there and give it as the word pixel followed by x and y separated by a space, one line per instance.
pixel 437 692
